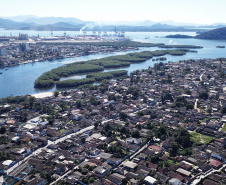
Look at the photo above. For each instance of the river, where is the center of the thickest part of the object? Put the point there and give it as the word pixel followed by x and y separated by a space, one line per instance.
pixel 19 80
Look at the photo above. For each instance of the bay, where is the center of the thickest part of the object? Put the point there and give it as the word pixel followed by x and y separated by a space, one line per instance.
pixel 19 80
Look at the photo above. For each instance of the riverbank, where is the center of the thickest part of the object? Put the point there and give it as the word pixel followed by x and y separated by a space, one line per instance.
pixel 43 95
pixel 19 79
pixel 51 78
pixel 47 51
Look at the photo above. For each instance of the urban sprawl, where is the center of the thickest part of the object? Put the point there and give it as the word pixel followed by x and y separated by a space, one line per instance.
pixel 161 125
pixel 24 49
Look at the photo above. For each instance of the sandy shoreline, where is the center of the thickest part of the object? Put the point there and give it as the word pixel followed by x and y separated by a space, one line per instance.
pixel 43 95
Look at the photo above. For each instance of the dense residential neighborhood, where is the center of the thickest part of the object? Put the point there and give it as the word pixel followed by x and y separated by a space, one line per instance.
pixel 162 125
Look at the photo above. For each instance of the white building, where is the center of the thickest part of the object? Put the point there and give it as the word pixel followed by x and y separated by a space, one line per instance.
pixel 150 180
pixel 174 181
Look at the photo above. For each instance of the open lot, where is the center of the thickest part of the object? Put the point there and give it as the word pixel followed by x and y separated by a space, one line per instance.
pixel 200 138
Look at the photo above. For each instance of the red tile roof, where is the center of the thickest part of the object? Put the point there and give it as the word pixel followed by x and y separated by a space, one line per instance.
pixel 215 163
pixel 156 148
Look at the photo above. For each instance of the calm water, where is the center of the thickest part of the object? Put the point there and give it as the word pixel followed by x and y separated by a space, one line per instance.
pixel 19 80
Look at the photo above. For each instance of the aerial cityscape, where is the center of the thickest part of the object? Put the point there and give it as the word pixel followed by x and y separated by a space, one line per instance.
pixel 110 92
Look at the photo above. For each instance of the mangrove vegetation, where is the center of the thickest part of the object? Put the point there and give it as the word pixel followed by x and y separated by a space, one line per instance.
pixel 52 77
pixel 127 43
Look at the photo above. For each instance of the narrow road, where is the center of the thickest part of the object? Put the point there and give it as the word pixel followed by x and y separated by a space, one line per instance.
pixel 220 129
pixel 202 76
pixel 10 170
pixel 140 150
pixel 68 172
pixel 18 165
pixel 196 104
pixel 62 177
pixel 197 180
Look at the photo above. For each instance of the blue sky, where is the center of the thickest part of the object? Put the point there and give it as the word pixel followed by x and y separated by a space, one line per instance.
pixel 189 11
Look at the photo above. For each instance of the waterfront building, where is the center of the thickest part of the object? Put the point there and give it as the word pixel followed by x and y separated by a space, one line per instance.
pixel 3 52
pixel 23 36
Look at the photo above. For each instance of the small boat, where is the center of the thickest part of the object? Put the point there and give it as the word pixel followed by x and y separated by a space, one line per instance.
pixel 0 73
pixel 6 69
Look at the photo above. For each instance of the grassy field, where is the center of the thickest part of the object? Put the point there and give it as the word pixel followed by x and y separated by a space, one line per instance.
pixel 170 162
pixel 62 131
pixel 200 138
pixel 224 128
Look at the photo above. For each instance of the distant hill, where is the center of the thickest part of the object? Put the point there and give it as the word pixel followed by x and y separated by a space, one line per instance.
pixel 155 27
pixel 54 20
pixel 20 18
pixel 31 22
pixel 216 34
pixel 60 26
pixel 143 25
pixel 9 24
pixel 6 22
pixel 76 25
pixel 164 26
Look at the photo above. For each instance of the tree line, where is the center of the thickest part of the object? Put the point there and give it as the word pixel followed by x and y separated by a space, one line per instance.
pixel 52 77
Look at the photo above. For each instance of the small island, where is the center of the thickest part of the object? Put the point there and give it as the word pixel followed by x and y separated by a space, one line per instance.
pixel 179 36
pixel 220 46
pixel 215 34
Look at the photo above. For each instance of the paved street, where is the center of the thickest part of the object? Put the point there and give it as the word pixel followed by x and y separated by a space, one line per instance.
pixel 197 180
pixel 10 170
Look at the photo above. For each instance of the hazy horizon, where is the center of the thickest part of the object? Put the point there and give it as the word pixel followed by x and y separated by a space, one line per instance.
pixel 115 22
pixel 179 11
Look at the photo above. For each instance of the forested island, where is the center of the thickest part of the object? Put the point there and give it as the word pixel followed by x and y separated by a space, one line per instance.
pixel 216 34
pixel 220 46
pixel 52 77
pixel 179 36
pixel 91 78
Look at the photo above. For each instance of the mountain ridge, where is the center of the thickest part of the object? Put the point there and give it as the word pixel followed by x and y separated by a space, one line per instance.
pixel 54 20
pixel 31 22
pixel 216 34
